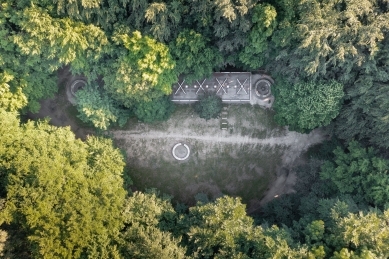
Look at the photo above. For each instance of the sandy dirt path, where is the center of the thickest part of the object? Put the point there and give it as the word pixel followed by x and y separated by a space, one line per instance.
pixel 292 138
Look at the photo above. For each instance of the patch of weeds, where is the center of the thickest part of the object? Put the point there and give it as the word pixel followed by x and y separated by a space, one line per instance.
pixel 255 121
pixel 237 170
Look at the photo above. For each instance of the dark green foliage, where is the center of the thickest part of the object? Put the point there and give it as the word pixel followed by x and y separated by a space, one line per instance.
pixel 264 19
pixel 209 106
pixel 158 109
pixel 281 210
pixel 359 172
pixel 344 41
pixel 97 108
pixel 324 46
pixel 365 117
pixel 225 22
pixel 195 57
pixel 324 150
pixel 304 106
pixel 165 19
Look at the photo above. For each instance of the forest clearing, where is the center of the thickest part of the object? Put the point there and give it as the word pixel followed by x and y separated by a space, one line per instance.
pixel 252 160
pixel 133 129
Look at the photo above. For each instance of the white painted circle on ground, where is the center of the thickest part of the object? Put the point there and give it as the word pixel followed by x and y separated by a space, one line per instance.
pixel 180 151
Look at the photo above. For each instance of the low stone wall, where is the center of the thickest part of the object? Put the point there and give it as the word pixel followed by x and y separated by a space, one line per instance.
pixel 74 84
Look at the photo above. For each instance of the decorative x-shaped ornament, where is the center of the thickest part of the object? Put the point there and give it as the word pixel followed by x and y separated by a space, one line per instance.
pixel 221 86
pixel 180 87
pixel 200 86
pixel 241 86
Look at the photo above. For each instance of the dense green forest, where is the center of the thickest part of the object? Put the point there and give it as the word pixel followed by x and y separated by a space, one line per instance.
pixel 64 198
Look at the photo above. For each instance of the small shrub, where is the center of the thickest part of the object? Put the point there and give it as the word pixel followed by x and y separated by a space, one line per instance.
pixel 209 107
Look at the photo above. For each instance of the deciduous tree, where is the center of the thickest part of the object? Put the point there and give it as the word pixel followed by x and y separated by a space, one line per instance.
pixel 194 55
pixel 360 172
pixel 306 105
pixel 98 108
pixel 66 194
pixel 148 219
pixel 253 55
pixel 143 70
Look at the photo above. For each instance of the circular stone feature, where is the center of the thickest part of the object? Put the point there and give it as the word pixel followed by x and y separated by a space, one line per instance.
pixel 77 85
pixel 262 88
pixel 181 151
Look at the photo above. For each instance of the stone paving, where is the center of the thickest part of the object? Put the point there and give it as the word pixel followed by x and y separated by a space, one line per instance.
pixel 232 87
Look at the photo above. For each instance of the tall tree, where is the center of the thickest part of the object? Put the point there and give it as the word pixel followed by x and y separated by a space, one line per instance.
pixel 143 70
pixel 358 171
pixel 34 79
pixel 219 229
pixel 148 218
pixel 34 45
pixel 194 55
pixel 253 55
pixel 10 99
pixel 68 42
pixel 306 105
pixel 336 39
pixel 164 19
pixel 66 194
pixel 225 22
pixel 345 41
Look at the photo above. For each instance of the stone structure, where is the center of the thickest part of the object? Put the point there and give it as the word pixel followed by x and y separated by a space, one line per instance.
pixel 74 84
pixel 232 87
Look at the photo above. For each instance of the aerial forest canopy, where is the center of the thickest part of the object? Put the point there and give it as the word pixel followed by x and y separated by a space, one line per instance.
pixel 140 47
pixel 64 198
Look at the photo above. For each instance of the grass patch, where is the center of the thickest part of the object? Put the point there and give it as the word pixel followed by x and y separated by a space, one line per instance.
pixel 232 169
pixel 254 121
pixel 213 168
